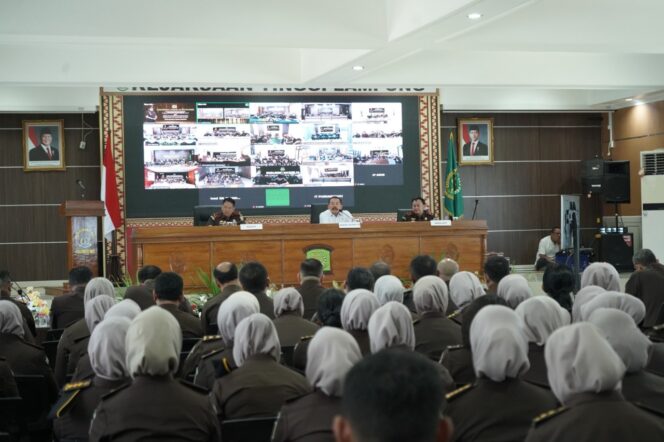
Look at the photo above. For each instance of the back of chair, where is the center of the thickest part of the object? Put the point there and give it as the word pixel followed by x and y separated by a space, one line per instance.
pixel 34 391
pixel 202 214
pixel 51 349
pixel 316 210
pixel 54 334
pixel 255 429
pixel 287 355
pixel 188 344
pixel 12 418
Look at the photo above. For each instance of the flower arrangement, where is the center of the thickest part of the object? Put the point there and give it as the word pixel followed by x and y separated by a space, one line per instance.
pixel 38 307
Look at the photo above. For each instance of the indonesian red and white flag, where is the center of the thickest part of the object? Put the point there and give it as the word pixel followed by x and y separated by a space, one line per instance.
pixel 109 192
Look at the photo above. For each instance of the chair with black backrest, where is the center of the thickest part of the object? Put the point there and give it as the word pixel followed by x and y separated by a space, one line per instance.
pixel 35 393
pixel 255 429
pixel 12 418
pixel 316 210
pixel 51 349
pixel 401 213
pixel 287 356
pixel 202 214
pixel 188 344
pixel 54 334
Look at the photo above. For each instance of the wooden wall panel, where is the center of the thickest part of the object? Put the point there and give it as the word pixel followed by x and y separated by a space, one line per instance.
pixel 341 257
pixel 267 253
pixel 537 158
pixel 397 252
pixel 33 233
pixel 178 258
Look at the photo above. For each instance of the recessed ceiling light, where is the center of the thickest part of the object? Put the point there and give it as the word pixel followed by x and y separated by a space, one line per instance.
pixel 474 16
pixel 629 99
pixel 358 68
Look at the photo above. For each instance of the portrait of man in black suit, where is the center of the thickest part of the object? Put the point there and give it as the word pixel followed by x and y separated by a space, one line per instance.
pixel 475 147
pixel 43 145
pixel 475 141
pixel 45 151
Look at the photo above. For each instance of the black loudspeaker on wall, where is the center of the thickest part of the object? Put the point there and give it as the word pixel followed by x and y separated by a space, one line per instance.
pixel 607 178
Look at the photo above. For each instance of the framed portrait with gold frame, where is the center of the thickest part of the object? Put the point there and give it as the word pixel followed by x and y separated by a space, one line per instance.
pixel 43 145
pixel 475 141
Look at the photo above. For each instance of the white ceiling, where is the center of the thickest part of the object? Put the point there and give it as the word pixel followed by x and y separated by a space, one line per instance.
pixel 522 54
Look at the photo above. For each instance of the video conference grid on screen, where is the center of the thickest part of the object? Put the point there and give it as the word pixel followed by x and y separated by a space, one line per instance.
pixel 243 146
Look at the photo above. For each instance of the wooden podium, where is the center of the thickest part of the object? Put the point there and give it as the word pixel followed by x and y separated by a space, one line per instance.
pixel 82 232
pixel 281 247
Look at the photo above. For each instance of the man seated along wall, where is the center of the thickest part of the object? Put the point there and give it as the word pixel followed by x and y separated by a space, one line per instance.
pixel 168 293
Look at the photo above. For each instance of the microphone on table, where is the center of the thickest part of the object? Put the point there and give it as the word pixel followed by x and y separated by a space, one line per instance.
pixel 475 209
pixel 20 291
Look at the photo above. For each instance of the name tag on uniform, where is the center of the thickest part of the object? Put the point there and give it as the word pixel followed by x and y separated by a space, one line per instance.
pixel 440 223
pixel 251 226
pixel 350 225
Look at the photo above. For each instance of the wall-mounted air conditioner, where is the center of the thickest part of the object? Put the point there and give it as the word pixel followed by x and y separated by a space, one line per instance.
pixel 652 201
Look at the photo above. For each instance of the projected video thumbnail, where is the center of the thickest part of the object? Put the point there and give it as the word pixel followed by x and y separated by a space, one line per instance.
pixel 263 145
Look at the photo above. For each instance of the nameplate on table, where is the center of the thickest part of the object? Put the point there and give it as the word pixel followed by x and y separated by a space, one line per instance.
pixel 251 226
pixel 350 225
pixel 441 223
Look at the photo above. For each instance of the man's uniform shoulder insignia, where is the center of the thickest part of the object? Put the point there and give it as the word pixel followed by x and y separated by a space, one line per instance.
pixel 306 338
pixel 209 338
pixel 455 347
pixel 547 415
pixel 458 392
pixel 115 391
pixel 212 353
pixel 454 314
pixel 67 398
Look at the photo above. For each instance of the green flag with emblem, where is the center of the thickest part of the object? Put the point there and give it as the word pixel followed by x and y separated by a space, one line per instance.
pixel 453 202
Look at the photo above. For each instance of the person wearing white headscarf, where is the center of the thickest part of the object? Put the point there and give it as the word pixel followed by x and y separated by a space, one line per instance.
pixel 388 288
pixel 390 326
pixel 106 351
pixel 514 289
pixel 601 274
pixel 620 301
pixel 127 308
pixel 95 312
pixel 634 348
pixel 585 375
pixel 464 288
pixel 213 356
pixel 434 332
pixel 540 316
pixel 98 286
pixel 500 357
pixel 96 308
pixel 74 340
pixel 288 311
pixel 155 406
pixel 260 385
pixel 356 309
pixel 331 354
pixel 583 296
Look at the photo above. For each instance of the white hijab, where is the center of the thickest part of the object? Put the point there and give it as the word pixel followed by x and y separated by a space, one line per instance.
pixel 391 325
pixel 153 343
pixel 255 335
pixel 331 354
pixel 580 360
pixel 107 350
pixel 356 309
pixel 126 308
pixel 388 288
pixel 98 286
pixel 583 296
pixel 465 287
pixel 96 308
pixel 11 320
pixel 233 310
pixel 601 274
pixel 514 289
pixel 288 300
pixel 499 348
pixel 541 316
pixel 629 304
pixel 430 295
pixel 625 338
